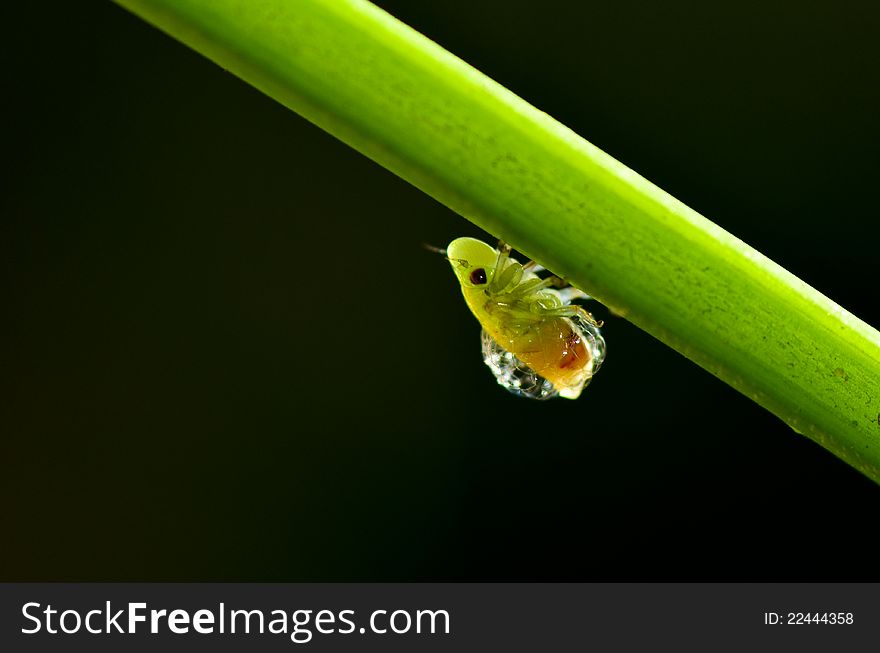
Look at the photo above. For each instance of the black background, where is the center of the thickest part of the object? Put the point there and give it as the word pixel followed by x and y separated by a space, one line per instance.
pixel 225 355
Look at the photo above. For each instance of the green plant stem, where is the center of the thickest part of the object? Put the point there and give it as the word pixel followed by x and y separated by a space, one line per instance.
pixel 416 109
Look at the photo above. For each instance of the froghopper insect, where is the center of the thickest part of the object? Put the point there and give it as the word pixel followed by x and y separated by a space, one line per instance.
pixel 536 342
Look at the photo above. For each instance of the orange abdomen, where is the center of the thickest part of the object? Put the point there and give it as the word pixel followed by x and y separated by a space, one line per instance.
pixel 555 350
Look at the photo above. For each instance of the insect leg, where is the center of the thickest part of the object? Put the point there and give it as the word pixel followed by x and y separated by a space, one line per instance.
pixel 552 280
pixel 530 287
pixel 569 293
pixel 500 264
pixel 573 310
pixel 503 254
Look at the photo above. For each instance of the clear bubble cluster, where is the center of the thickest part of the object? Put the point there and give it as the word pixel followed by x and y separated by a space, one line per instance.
pixel 593 337
pixel 512 374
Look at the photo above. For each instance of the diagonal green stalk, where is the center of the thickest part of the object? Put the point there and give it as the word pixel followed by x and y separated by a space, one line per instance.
pixel 418 110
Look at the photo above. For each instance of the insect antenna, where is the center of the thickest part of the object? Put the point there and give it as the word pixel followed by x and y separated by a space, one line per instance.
pixel 436 250
pixel 442 252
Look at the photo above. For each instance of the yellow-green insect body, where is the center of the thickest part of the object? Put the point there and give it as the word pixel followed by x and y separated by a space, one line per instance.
pixel 535 341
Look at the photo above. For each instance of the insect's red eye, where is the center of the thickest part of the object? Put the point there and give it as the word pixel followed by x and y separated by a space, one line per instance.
pixel 478 276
